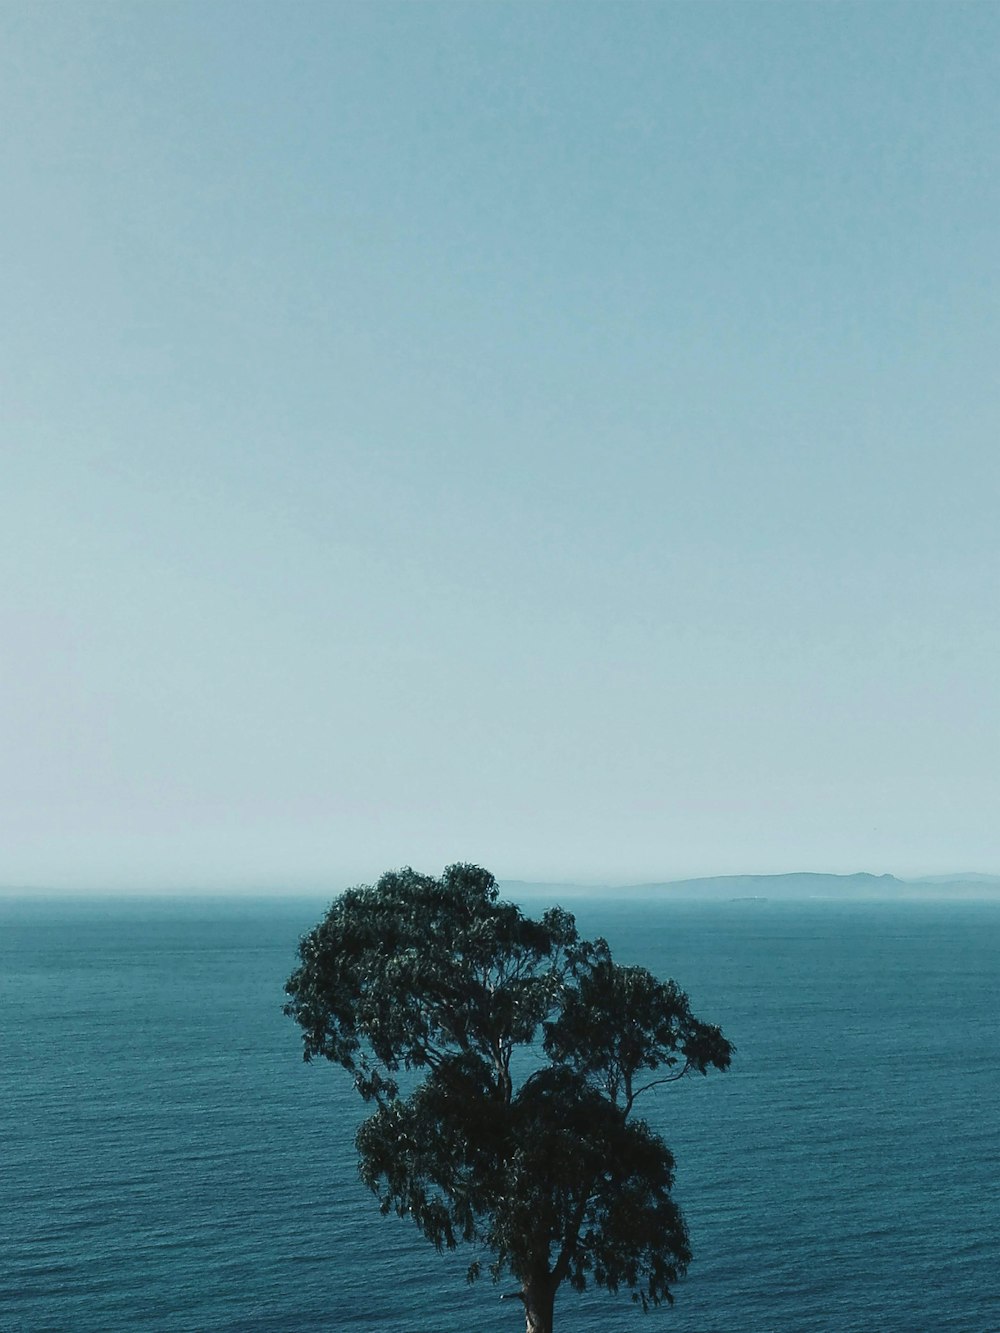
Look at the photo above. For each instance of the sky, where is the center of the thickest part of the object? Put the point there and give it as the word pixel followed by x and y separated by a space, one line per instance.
pixel 563 437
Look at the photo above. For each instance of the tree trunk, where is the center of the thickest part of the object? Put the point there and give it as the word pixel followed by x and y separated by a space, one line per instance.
pixel 539 1304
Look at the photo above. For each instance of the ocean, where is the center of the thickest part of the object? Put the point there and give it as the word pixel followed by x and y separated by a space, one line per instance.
pixel 169 1163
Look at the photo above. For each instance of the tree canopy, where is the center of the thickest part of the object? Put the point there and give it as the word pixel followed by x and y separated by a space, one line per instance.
pixel 502 1058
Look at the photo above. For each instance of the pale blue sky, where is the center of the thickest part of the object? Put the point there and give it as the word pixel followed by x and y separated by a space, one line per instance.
pixel 558 436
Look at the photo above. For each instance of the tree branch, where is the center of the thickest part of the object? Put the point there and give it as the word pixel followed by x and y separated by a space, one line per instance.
pixel 656 1082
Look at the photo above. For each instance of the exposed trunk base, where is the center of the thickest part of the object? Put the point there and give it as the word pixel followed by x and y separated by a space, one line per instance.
pixel 539 1306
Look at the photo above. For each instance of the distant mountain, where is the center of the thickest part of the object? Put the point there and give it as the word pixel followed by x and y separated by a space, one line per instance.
pixel 802 884
pixel 795 886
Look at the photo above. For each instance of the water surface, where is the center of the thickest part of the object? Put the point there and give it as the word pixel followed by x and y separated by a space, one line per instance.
pixel 170 1164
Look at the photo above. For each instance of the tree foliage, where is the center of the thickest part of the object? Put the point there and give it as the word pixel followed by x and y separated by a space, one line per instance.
pixel 502 1058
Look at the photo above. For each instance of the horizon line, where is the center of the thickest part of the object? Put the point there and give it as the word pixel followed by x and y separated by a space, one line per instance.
pixel 300 890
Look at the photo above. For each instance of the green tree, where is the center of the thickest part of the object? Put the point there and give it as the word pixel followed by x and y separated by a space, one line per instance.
pixel 502 1058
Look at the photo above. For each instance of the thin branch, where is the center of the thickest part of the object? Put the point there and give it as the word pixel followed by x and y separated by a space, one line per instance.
pixel 656 1082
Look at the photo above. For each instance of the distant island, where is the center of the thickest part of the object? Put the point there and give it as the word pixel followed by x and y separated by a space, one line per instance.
pixel 798 886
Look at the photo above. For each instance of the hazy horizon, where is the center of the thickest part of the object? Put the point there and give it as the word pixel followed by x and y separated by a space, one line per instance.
pixel 508 884
pixel 559 438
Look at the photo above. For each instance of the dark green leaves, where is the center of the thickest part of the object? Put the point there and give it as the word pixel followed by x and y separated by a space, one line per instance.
pixel 405 973
pixel 628 1032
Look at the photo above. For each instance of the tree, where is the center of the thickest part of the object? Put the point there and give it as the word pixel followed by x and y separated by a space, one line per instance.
pixel 503 1058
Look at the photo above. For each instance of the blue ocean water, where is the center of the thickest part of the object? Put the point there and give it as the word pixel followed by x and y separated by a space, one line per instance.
pixel 168 1162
